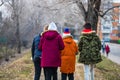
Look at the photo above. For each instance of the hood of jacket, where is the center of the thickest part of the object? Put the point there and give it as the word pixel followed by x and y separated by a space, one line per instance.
pixel 68 39
pixel 50 34
pixel 52 26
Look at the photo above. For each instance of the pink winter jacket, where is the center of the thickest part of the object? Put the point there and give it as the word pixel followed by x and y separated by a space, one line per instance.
pixel 51 44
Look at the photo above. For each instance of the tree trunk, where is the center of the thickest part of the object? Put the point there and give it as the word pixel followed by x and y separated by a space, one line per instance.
pixel 92 14
pixel 16 22
pixel 18 35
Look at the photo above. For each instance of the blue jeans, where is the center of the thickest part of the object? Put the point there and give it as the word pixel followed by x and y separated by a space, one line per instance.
pixel 50 72
pixel 70 76
pixel 103 50
pixel 89 72
pixel 37 67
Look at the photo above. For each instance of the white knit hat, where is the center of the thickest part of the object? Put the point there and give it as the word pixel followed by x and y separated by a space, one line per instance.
pixel 52 26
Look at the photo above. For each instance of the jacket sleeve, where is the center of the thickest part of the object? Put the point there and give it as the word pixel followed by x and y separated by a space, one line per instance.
pixel 99 43
pixel 40 44
pixel 33 49
pixel 80 44
pixel 76 48
pixel 61 43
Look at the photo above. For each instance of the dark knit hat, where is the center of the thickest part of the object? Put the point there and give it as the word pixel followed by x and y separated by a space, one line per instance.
pixel 87 26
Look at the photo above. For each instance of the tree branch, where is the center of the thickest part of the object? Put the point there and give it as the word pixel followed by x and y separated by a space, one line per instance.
pixel 10 3
pixel 55 7
pixel 103 14
pixel 82 8
pixel 2 2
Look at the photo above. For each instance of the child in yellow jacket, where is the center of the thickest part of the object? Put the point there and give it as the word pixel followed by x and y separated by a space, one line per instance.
pixel 68 56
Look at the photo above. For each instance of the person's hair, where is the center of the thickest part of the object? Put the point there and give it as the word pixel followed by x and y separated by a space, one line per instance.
pixel 45 28
pixel 87 26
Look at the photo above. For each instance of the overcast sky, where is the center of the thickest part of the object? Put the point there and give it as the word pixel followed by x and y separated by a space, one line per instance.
pixel 116 0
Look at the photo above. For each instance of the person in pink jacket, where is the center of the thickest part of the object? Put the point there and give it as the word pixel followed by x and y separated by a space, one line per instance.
pixel 107 49
pixel 51 44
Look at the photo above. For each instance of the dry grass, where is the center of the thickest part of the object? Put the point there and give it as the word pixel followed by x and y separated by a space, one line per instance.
pixel 21 69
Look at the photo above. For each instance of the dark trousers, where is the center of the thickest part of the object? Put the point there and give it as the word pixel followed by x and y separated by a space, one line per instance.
pixel 37 67
pixel 50 73
pixel 70 76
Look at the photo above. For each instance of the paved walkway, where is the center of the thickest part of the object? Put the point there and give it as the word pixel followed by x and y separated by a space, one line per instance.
pixel 115 59
pixel 112 56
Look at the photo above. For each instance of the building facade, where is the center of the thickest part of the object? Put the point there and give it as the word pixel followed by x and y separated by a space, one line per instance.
pixel 109 26
pixel 115 34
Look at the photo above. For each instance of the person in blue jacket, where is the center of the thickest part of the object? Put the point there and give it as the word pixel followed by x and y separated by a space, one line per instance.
pixel 36 55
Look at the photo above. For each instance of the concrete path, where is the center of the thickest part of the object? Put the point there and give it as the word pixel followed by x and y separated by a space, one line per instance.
pixel 115 59
pixel 114 54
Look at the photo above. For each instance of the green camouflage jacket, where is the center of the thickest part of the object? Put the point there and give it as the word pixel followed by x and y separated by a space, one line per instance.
pixel 89 47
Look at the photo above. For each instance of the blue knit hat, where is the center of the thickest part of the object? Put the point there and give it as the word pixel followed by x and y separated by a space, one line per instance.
pixel 66 32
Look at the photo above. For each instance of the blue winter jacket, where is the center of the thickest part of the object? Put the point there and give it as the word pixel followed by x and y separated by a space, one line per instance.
pixel 34 49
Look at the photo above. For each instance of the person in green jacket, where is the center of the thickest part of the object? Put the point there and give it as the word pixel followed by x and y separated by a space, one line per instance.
pixel 89 46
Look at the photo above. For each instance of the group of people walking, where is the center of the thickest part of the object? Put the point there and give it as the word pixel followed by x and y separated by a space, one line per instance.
pixel 51 50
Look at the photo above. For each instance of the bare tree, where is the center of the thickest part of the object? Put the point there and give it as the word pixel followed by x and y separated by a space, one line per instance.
pixel 90 9
pixel 16 6
pixel 92 12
